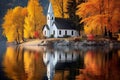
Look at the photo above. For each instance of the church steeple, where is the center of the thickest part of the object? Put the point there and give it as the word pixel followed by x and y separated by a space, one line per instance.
pixel 50 15
pixel 50 10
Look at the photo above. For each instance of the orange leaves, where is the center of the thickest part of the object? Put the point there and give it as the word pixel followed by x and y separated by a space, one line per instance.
pixel 13 24
pixel 35 19
pixel 20 22
pixel 100 14
pixel 60 7
pixel 87 9
pixel 94 24
pixel 24 12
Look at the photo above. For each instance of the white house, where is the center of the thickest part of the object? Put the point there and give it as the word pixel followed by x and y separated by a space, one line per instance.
pixel 58 27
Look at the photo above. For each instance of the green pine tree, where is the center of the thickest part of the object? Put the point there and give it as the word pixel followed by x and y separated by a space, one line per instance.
pixel 71 11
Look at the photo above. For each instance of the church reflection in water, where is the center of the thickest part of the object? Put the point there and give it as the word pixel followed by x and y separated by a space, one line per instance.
pixel 61 63
pixel 60 60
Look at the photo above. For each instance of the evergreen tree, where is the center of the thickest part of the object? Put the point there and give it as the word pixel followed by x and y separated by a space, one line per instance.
pixel 71 11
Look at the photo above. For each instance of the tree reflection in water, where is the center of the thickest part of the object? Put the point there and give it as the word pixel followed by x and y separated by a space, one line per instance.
pixel 100 65
pixel 21 64
pixel 62 63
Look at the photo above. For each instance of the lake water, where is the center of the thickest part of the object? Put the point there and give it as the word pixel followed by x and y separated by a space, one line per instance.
pixel 59 63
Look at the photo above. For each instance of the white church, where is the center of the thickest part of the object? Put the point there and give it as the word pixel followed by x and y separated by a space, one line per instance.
pixel 58 27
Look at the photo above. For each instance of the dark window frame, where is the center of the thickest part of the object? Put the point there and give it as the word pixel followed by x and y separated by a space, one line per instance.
pixel 66 32
pixel 52 18
pixel 60 32
pixel 72 32
pixel 53 32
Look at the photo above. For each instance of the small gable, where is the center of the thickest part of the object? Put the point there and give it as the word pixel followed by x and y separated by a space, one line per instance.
pixel 45 26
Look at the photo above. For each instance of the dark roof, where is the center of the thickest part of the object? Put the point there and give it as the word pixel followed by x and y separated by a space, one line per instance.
pixel 45 26
pixel 62 23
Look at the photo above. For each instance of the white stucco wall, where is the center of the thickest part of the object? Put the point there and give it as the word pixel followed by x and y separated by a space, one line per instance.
pixel 47 32
pixel 69 32
pixel 52 29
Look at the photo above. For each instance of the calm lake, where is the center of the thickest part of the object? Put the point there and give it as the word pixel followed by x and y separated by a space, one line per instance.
pixel 59 63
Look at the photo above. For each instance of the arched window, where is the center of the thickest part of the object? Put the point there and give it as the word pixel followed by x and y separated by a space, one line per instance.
pixel 54 32
pixel 60 32
pixel 65 32
pixel 52 18
pixel 48 18
pixel 72 32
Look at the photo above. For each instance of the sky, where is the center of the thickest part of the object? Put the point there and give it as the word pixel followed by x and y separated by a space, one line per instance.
pixel 7 4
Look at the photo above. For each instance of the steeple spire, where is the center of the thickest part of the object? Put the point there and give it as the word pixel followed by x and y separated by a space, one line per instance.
pixel 50 16
pixel 50 9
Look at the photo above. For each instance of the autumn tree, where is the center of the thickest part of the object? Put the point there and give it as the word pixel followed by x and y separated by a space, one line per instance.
pixel 19 14
pixel 98 14
pixel 13 24
pixel 60 8
pixel 34 20
pixel 71 11
pixel 8 26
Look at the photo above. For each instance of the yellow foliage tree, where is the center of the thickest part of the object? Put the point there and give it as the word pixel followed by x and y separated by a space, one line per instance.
pixel 7 25
pixel 34 20
pixel 98 14
pixel 60 8
pixel 14 24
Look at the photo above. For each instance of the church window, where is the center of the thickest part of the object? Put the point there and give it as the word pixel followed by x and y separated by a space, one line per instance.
pixel 52 18
pixel 54 32
pixel 72 32
pixel 65 32
pixel 60 32
pixel 48 18
pixel 60 56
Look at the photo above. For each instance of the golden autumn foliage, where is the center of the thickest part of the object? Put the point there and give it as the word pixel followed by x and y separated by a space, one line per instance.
pixel 7 25
pixel 98 14
pixel 20 23
pixel 14 23
pixel 34 20
pixel 60 8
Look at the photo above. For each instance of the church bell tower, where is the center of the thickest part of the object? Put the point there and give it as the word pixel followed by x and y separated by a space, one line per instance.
pixel 50 16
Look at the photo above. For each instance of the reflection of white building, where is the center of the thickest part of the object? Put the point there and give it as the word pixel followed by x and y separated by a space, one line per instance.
pixel 50 61
pixel 51 58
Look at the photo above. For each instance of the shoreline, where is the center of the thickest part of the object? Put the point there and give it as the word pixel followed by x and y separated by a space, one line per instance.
pixel 77 41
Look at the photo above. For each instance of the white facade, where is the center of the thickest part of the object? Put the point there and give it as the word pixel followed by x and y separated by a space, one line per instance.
pixel 46 32
pixel 63 32
pixel 51 29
